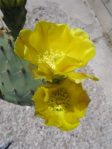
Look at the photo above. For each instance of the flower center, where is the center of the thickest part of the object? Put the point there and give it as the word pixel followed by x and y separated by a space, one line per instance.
pixel 50 57
pixel 59 100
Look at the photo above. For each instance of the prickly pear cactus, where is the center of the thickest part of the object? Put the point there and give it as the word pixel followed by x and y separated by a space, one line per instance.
pixel 16 82
pixel 14 14
pixel 12 3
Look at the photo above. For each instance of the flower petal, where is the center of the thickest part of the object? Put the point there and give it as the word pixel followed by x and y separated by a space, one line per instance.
pixel 62 120
pixel 67 64
pixel 79 32
pixel 61 105
pixel 81 47
pixel 23 48
pixel 40 97
pixel 42 71
pixel 54 36
pixel 78 95
pixel 38 38
pixel 54 49
pixel 79 77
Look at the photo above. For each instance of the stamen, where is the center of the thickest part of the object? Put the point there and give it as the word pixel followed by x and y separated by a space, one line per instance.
pixel 50 57
pixel 59 100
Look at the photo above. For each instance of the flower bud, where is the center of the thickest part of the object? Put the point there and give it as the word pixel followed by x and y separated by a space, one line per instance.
pixel 12 3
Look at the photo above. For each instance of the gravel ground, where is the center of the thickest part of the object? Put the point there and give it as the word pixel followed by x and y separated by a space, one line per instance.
pixel 18 123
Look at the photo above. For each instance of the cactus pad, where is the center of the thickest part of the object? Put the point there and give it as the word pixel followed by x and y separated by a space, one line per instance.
pixel 16 82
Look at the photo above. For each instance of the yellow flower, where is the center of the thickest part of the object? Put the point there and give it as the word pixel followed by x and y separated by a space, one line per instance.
pixel 62 104
pixel 54 49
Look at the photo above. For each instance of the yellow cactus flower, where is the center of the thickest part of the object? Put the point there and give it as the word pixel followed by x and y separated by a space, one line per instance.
pixel 61 104
pixel 54 49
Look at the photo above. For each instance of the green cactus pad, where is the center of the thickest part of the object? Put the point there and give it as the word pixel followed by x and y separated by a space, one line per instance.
pixel 16 82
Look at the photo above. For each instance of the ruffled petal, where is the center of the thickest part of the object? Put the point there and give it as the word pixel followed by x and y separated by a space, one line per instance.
pixel 40 99
pixel 81 47
pixel 54 48
pixel 47 36
pixel 61 105
pixel 23 48
pixel 39 37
